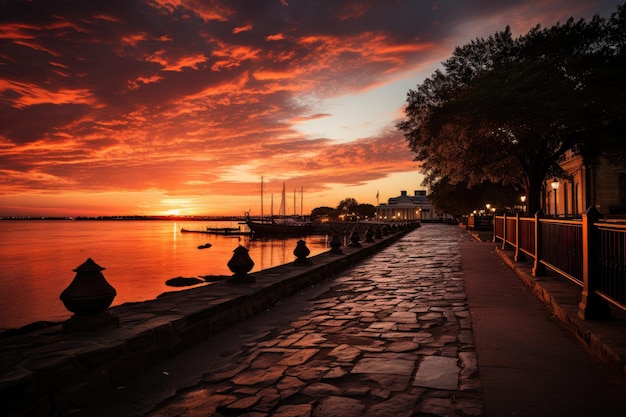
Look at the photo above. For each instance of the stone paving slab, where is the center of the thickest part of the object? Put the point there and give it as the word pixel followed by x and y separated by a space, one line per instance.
pixel 391 337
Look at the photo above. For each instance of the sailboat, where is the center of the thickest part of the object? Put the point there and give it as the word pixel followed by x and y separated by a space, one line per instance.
pixel 280 227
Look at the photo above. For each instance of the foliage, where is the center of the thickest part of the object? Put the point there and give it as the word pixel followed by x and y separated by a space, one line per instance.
pixel 348 205
pixel 506 110
pixel 459 199
pixel 366 210
pixel 324 212
pixel 349 208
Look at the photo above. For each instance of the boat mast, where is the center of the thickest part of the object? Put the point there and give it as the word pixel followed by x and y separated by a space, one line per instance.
pixel 282 211
pixel 301 201
pixel 262 199
pixel 295 208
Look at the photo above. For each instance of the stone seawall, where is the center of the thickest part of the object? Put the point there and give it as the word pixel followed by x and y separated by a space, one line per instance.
pixel 47 372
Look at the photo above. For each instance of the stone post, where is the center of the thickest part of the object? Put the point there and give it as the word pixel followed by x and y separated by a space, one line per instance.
pixel 89 296
pixel 301 252
pixel 240 264
pixel 369 235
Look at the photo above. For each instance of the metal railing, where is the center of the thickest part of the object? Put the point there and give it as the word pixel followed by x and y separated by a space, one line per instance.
pixel 589 252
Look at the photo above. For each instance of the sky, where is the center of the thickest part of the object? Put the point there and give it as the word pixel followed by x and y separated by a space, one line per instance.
pixel 176 107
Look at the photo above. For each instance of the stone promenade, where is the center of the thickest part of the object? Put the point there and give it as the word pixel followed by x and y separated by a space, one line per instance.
pixel 391 337
pixel 436 325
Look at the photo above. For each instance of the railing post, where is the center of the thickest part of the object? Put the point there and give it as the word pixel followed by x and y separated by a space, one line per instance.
pixel 504 231
pixel 519 255
pixel 591 306
pixel 538 268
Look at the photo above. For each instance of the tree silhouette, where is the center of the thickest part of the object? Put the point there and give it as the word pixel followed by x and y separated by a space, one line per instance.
pixel 348 205
pixel 507 110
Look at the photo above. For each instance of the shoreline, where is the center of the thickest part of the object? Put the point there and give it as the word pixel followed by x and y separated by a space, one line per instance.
pixel 91 363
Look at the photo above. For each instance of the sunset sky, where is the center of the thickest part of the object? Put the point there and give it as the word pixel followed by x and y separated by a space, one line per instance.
pixel 180 107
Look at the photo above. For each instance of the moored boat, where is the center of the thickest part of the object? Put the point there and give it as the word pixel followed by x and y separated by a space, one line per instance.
pixel 276 229
pixel 219 231
pixel 225 230
pixel 282 226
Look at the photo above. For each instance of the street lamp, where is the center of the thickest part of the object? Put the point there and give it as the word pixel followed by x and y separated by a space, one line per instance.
pixel 523 198
pixel 555 187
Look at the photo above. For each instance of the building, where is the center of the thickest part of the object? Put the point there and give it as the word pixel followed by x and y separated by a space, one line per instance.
pixel 408 208
pixel 581 187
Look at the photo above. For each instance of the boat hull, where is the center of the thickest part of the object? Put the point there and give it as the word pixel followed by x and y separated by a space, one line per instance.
pixel 279 230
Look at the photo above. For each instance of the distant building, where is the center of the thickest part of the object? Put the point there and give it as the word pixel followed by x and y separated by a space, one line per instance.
pixel 603 186
pixel 407 208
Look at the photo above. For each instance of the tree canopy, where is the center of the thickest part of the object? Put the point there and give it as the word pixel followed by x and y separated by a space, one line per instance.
pixel 506 109
pixel 459 199
pixel 348 209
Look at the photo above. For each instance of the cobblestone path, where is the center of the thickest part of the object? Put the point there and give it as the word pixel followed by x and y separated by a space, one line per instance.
pixel 392 337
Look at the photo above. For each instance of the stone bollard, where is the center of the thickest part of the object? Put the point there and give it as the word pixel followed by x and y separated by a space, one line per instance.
pixel 240 264
pixel 377 233
pixel 301 252
pixel 335 245
pixel 355 240
pixel 89 296
pixel 369 235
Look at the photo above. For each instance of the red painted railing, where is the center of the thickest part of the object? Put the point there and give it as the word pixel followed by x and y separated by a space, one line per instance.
pixel 589 252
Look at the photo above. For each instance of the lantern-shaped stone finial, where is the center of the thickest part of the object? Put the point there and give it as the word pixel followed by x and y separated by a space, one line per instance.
pixel 88 296
pixel 240 264
pixel 301 252
pixel 89 292
pixel 369 235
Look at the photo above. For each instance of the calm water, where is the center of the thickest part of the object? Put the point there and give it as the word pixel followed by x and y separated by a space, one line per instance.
pixel 37 259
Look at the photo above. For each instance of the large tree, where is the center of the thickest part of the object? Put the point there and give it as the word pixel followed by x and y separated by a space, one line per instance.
pixel 506 109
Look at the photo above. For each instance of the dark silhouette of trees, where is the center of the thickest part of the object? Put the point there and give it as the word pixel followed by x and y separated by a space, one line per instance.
pixel 460 199
pixel 506 109
pixel 324 212
pixel 349 208
pixel 366 211
pixel 348 205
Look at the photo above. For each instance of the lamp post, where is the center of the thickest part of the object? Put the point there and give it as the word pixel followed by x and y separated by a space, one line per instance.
pixel 523 199
pixel 555 187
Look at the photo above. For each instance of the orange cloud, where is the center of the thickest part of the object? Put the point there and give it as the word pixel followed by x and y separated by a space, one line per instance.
pixel 176 63
pixel 233 55
pixel 276 37
pixel 32 94
pixel 245 28
pixel 198 99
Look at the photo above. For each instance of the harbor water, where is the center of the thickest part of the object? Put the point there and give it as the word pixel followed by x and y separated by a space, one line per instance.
pixel 37 258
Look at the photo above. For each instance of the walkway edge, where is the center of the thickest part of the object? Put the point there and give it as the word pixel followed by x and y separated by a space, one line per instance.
pixel 600 338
